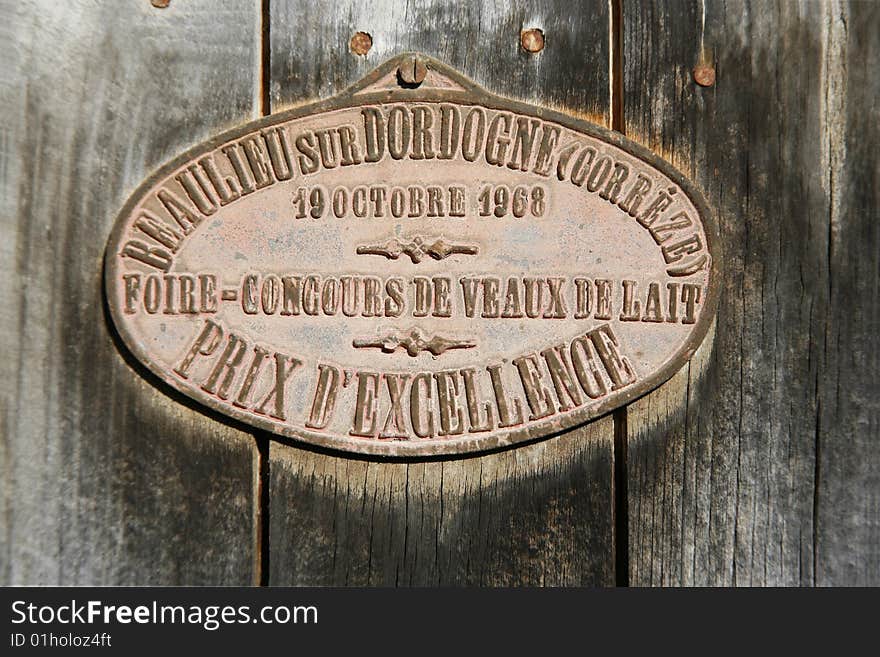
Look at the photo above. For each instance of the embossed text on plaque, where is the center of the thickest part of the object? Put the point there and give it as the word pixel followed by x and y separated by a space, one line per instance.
pixel 414 270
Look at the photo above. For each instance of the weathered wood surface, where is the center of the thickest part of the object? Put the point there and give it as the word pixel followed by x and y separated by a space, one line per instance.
pixel 107 477
pixel 848 472
pixel 760 463
pixel 541 514
pixel 537 515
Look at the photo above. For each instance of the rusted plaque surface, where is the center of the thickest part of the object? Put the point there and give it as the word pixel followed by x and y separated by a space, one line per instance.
pixel 414 270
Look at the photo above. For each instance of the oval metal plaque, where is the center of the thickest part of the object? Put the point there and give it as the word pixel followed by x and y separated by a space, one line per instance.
pixel 414 270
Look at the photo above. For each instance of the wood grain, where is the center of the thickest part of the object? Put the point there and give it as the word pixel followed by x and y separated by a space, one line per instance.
pixel 108 478
pixel 848 437
pixel 310 56
pixel 535 515
pixel 757 465
pixel 541 514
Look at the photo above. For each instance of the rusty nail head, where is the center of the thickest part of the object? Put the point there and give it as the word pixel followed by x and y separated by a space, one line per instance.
pixel 361 43
pixel 532 40
pixel 412 72
pixel 704 75
pixel 160 4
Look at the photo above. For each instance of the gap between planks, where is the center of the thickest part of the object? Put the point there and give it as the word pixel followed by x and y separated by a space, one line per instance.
pixel 262 439
pixel 621 496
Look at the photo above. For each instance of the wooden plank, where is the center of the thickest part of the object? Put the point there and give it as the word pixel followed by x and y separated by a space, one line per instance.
pixel 310 56
pixel 536 515
pixel 541 514
pixel 106 478
pixel 848 469
pixel 723 461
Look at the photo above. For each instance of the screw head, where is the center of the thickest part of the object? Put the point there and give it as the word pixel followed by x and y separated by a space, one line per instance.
pixel 412 72
pixel 532 40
